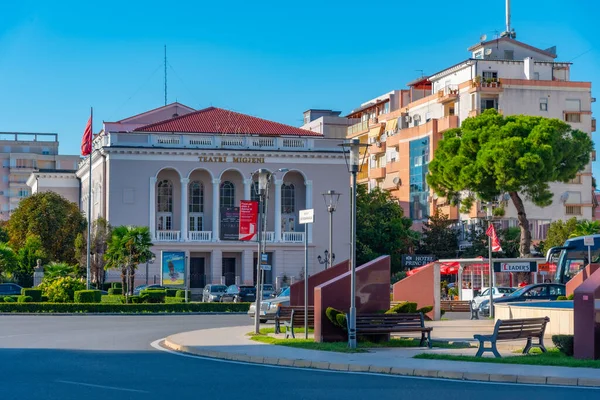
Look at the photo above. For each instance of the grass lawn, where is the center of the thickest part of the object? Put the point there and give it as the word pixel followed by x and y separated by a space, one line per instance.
pixel 342 347
pixel 266 331
pixel 553 358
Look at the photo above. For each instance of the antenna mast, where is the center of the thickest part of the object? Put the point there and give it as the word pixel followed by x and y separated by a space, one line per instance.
pixel 165 74
pixel 508 16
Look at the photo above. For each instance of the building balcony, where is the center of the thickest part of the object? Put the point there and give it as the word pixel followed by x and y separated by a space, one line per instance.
pixel 449 122
pixel 448 94
pixel 377 173
pixel 393 166
pixel 200 236
pixel 363 174
pixel 377 148
pixel 474 113
pixel 486 87
pixel 292 237
pixel 593 124
pixel 392 141
pixel 357 129
pixel 168 236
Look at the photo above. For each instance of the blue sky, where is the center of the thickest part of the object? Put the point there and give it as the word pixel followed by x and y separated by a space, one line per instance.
pixel 271 59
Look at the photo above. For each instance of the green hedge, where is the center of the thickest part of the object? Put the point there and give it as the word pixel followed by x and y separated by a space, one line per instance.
pixel 115 291
pixel 112 299
pixel 153 296
pixel 564 343
pixel 88 296
pixel 10 299
pixel 181 294
pixel 121 308
pixel 36 294
pixel 116 285
pixel 171 292
pixel 174 300
pixel 24 299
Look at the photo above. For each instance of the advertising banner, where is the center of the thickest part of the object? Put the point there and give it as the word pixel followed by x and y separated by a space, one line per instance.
pixel 230 223
pixel 173 268
pixel 248 220
pixel 527 266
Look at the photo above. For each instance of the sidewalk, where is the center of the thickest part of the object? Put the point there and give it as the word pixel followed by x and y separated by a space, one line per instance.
pixel 234 344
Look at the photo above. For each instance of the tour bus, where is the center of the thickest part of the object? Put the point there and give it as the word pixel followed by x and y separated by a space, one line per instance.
pixel 572 257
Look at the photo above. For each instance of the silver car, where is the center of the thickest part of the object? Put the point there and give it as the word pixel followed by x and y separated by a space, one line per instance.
pixel 269 307
pixel 213 293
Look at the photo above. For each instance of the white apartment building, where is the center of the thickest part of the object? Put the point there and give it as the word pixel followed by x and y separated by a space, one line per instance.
pixel 23 154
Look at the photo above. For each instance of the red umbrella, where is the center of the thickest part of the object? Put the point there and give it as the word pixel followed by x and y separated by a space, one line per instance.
pixel 415 270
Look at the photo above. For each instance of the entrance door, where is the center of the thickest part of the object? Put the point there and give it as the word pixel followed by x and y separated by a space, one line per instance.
pixel 229 270
pixel 197 277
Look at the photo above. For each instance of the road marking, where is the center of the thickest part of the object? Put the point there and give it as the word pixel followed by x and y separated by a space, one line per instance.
pixel 104 387
pixel 157 346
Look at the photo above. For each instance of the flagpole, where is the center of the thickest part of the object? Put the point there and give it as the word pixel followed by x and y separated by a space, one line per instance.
pixel 491 266
pixel 89 230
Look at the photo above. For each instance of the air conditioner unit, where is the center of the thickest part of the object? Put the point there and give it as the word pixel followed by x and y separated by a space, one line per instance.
pixel 378 143
pixel 417 117
pixel 408 119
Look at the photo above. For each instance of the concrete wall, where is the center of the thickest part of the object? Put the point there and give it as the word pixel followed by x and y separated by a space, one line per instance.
pixel 418 288
pixel 297 289
pixel 561 319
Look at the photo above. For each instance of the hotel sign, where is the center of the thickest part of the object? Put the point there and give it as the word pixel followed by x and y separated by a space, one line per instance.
pixel 417 260
pixel 229 159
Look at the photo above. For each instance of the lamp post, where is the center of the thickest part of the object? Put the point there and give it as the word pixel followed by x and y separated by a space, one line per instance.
pixel 331 198
pixel 491 266
pixel 151 261
pixel 354 160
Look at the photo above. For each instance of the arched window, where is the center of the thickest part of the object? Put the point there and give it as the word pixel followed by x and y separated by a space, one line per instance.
pixel 165 196
pixel 196 197
pixel 288 199
pixel 227 198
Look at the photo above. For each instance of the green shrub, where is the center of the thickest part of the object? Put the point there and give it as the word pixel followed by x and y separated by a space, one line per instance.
pixel 9 299
pixel 571 296
pixel 116 285
pixel 564 343
pixel 24 299
pixel 425 310
pixel 135 299
pixel 36 294
pixel 171 292
pixel 403 308
pixel 88 296
pixel 561 298
pixel 122 308
pixel 106 286
pixel 62 290
pixel 44 298
pixel 115 291
pixel 171 300
pixel 153 296
pixel 332 314
pixel 112 299
pixel 181 294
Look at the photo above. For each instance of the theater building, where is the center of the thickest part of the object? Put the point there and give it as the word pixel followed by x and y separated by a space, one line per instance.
pixel 176 170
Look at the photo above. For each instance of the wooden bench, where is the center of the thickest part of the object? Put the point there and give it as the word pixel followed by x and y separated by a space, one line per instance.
pixel 293 316
pixel 514 329
pixel 459 306
pixel 374 324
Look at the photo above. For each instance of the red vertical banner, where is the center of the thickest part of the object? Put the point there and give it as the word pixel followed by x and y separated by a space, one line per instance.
pixel 248 219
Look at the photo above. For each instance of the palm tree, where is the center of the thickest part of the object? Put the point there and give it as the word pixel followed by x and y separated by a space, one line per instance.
pixel 8 258
pixel 585 228
pixel 129 246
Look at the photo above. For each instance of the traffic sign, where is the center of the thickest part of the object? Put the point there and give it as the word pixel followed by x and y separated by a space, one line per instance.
pixel 307 216
pixel 588 240
pixel 544 267
pixel 265 267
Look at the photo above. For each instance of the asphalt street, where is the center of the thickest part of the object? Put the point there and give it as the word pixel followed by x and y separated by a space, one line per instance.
pixel 110 357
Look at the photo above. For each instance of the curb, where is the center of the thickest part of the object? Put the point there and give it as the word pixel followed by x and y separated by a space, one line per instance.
pixel 421 373
pixel 129 314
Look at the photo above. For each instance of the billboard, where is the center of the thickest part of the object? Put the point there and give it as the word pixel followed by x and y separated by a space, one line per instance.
pixel 248 220
pixel 173 268
pixel 230 223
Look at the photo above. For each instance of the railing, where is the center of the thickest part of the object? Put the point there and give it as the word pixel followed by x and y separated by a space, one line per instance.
pixel 168 140
pixel 200 236
pixel 212 142
pixel 294 143
pixel 293 237
pixel 359 127
pixel 268 236
pixel 263 142
pixel 232 142
pixel 167 236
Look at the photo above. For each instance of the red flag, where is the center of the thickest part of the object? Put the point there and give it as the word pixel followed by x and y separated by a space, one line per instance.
pixel 86 140
pixel 491 232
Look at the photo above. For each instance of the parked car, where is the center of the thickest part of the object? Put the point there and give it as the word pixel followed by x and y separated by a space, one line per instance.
pixel 535 292
pixel 239 294
pixel 267 291
pixel 213 293
pixel 268 308
pixel 138 289
pixel 497 293
pixel 10 289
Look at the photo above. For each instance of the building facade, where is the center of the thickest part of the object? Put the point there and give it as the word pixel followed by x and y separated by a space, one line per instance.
pixel 404 126
pixel 23 154
pixel 183 175
pixel 328 123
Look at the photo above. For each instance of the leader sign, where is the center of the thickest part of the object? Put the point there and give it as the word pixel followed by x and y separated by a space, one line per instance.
pixel 515 267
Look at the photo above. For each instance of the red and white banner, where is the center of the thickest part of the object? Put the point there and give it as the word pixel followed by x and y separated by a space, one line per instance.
pixel 491 232
pixel 248 219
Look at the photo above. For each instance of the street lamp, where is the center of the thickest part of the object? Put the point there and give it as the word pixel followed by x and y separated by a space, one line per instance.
pixel 331 198
pixel 354 161
pixel 489 218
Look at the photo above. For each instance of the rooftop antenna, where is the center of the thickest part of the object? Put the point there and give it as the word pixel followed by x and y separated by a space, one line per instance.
pixel 165 74
pixel 508 16
pixel 421 71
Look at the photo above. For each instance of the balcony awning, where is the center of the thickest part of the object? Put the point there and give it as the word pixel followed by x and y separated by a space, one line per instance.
pixel 375 132
pixel 391 124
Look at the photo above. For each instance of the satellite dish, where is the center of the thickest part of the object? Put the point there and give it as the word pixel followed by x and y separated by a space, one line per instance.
pixel 417 117
pixel 564 197
pixel 397 181
pixel 483 38
pixel 488 52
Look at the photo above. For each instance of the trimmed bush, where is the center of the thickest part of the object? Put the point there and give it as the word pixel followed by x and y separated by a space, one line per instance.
pixel 112 299
pixel 342 321
pixel 172 292
pixel 403 308
pixel 571 296
pixel 36 294
pixel 332 314
pixel 564 343
pixel 62 290
pixel 171 300
pixel 24 299
pixel 88 296
pixel 115 291
pixel 9 299
pixel 425 309
pixel 122 308
pixel 181 294
pixel 135 299
pixel 153 296
pixel 106 286
pixel 116 285
pixel 45 298
pixel 561 298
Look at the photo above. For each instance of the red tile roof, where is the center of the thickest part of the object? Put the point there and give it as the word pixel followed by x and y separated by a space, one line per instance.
pixel 218 120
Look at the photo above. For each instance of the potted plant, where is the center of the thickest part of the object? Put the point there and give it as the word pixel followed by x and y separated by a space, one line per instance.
pixel 477 80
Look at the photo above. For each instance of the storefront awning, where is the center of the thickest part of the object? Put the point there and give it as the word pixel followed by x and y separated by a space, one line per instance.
pixel 375 132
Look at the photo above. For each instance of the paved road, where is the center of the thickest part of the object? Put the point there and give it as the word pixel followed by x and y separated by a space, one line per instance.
pixel 101 357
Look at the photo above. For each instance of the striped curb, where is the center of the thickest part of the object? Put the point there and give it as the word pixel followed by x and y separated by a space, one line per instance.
pixel 376 369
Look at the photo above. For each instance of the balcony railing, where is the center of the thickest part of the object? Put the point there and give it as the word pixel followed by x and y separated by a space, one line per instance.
pixel 167 236
pixel 200 236
pixel 293 237
pixel 268 236
pixel 357 128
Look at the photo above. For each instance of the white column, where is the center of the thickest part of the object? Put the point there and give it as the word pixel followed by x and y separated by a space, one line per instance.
pixel 152 208
pixel 216 266
pixel 277 221
pixel 309 205
pixel 184 210
pixel 215 213
pixel 248 266
pixel 247 189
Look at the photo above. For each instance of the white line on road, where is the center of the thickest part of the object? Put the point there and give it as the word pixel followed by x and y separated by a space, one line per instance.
pixel 157 346
pixel 104 387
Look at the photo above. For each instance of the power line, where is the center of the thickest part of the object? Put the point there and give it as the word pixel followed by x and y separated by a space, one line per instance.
pixel 138 90
pixel 585 52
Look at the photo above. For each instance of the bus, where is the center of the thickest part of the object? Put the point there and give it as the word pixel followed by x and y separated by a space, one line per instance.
pixel 572 257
